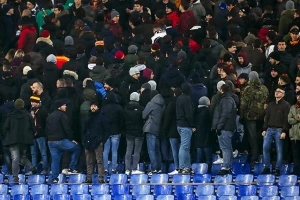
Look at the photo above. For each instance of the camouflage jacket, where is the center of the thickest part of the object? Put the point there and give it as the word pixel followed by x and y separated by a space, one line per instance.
pixel 253 98
pixel 294 120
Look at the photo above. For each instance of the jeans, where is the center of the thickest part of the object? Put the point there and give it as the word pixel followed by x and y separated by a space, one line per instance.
pixel 57 149
pixel 112 141
pixel 18 155
pixel 165 149
pixel 133 144
pixel 39 144
pixel 254 137
pixel 90 161
pixel 7 160
pixel 175 144
pixel 153 145
pixel 185 145
pixel 226 148
pixel 204 155
pixel 272 134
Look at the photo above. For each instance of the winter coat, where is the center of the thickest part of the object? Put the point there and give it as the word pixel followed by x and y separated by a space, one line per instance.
pixel 145 51
pixel 293 47
pixel 153 114
pixel 39 115
pixel 4 110
pixel 169 124
pixel 42 44
pixel 294 120
pixel 198 10
pixel 9 88
pixel 187 21
pixel 224 117
pixel 198 90
pixel 51 75
pixel 99 74
pixel 18 128
pixel 203 136
pixel 27 38
pixel 88 39
pixel 145 97
pixel 115 28
pixel 130 60
pixel 172 77
pixel 174 17
pixel 216 48
pixel 290 95
pixel 253 99
pixel 133 119
pixel 128 86
pixel 286 18
pixel 46 100
pixel 26 91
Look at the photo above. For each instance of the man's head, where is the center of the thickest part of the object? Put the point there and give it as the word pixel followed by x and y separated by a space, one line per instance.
pixel 35 101
pixel 138 6
pixel 134 72
pixel 170 7
pixel 61 104
pixel 109 84
pixel 115 16
pixel 77 3
pixel 61 83
pixel 19 103
pixel 37 88
pixel 94 106
pixel 283 80
pixel 227 59
pixel 243 78
pixel 279 93
pixel 297 87
pixel 58 9
pixel 184 6
pixel 274 58
pixel 297 13
pixel 31 4
pixel 7 9
pixel 294 33
pixel 281 45
pixel 230 46
pixel 224 88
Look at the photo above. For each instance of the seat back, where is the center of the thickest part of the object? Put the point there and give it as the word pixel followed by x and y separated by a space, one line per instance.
pixel 77 178
pixel 140 190
pixel 58 189
pixel 79 189
pixel 165 197
pixel 183 189
pixel 289 191
pixel 145 197
pixel 102 197
pixel 36 179
pixel 179 178
pixel 20 176
pixel 138 178
pixel 200 168
pixel 246 190
pixel 99 189
pixel 82 197
pixel 215 168
pixel 118 179
pixel 265 179
pixel 120 189
pixel 223 179
pixel 21 197
pixel 205 190
pixel 187 196
pixel 123 197
pixel 228 198
pixel 250 198
pixel 225 190
pixel 285 180
pixel 162 190
pixel 241 168
pixel 41 197
pixel 39 189
pixel 202 178
pixel 268 191
pixel 3 189
pixel 19 189
pixel 159 178
pixel 259 167
pixel 4 196
pixel 61 197
pixel 242 179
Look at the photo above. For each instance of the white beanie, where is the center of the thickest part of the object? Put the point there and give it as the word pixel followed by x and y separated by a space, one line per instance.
pixel 26 69
pixel 219 85
pixel 134 96
pixel 153 84
pixel 51 58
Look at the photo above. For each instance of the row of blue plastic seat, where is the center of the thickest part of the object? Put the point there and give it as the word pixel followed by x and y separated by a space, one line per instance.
pixel 201 190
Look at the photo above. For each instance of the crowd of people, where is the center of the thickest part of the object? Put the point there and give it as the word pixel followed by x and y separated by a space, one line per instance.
pixel 157 81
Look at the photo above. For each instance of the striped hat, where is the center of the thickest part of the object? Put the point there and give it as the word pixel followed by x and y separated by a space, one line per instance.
pixel 35 99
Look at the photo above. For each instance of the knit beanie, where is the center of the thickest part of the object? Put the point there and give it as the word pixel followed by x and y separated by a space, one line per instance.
pixel 203 101
pixel 96 103
pixel 111 82
pixel 155 47
pixel 51 58
pixel 227 57
pixel 147 73
pixel 26 69
pixel 219 84
pixel 114 13
pixel 181 55
pixel 160 13
pixel 244 76
pixel 119 55
pixel 19 103
pixel 222 6
pixel 289 5
pixel 133 71
pixel 153 84
pixel 253 75
pixel 146 86
pixel 32 2
pixel 132 49
pixel 69 41
pixel 45 34
pixel 275 55
pixel 35 99
pixel 134 96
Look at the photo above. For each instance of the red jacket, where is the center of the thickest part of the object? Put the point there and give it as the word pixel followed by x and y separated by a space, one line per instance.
pixel 194 46
pixel 27 38
pixel 115 28
pixel 186 21
pixel 174 17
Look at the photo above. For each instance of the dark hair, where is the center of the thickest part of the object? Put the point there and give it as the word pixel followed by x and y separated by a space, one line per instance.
pixel 80 48
pixel 141 60
pixel 135 20
pixel 69 82
pixel 185 5
pixel 225 88
pixel 80 13
pixel 229 44
pixel 6 65
pixel 59 7
pixel 138 2
pixel 167 39
pixel 47 19
pixel 280 87
pixel 177 91
pixel 73 53
pixel 285 78
pixel 280 39
pixel 99 61
pixel 257 43
pixel 271 35
pixel 206 43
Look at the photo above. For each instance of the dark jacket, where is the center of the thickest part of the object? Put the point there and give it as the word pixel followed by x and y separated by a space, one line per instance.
pixel 128 86
pixel 46 100
pixel 99 74
pixel 289 95
pixel 184 108
pixel 39 115
pixel 4 110
pixel 198 90
pixel 18 128
pixel 186 21
pixel 58 126
pixel 26 91
pixel 145 97
pixel 224 117
pixel 172 77
pixel 27 38
pixel 9 88
pixel 204 138
pixel 51 75
pixel 169 124
pixel 133 119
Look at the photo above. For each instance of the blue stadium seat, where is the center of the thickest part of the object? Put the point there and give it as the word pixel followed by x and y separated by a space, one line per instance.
pixel 241 168
pixel 3 189
pixel 225 190
pixel 171 167
pixel 61 197
pixel 223 179
pixel 268 191
pixel 242 158
pixel 138 178
pixel 120 189
pixel 118 179
pixel 77 178
pixel 4 197
pixel 102 197
pixel 215 157
pixel 1 178
pixel 21 179
pixel 271 198
pixel 289 191
pixel 200 168
pixel 292 198
pixel 39 189
pixel 202 178
pixel 145 197
pixel 141 167
pixel 246 190
pixel 265 179
pixel 162 190
pixel 123 197
pixel 159 178
pixel 208 197
pixel 82 197
pixel 165 197
pixel 95 179
pixel 183 189
pixel 179 178
pixel 228 198
pixel 243 179
pixel 140 190
pixel 61 178
pixel 259 167
pixel 79 189
pixel 41 197
pixel 215 168
pixel 36 179
pixel 204 190
pixel 186 197
pixel 285 180
pixel 286 169
pixel 250 198
pixel 19 189
pixel 99 189
pixel 21 197
pixel 58 189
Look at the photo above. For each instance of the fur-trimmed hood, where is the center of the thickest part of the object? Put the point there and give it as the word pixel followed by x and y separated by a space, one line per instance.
pixel 46 40
pixel 71 73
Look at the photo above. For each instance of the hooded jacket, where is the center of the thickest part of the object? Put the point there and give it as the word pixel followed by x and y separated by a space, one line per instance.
pixel 203 136
pixel 27 38
pixel 115 28
pixel 245 67
pixel 153 114
pixel 174 18
pixel 294 120
pixel 18 128
pixel 169 125
pixel 133 119
pixel 198 90
pixel 198 10
pixel 172 77
pixel 99 74
pixel 187 21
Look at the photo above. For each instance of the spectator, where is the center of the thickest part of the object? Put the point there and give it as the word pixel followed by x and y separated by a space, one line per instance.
pixel 28 35
pixel 187 18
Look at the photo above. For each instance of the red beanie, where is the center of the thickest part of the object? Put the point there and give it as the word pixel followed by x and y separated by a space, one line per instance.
pixel 155 47
pixel 120 55
pixel 45 34
pixel 147 73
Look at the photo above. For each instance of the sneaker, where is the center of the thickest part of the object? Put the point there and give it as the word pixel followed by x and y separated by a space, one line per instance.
pixel 176 171
pixel 152 172
pixel 44 172
pixel 235 153
pixel 87 181
pixel 70 171
pixel 127 172
pixel 186 171
pixel 55 181
pixel 137 172
pixel 31 172
pixel 266 171
pixel 277 172
pixel 114 171
pixel 219 161
pixel 65 171
pixel 218 152
pixel 106 172
pixel 223 172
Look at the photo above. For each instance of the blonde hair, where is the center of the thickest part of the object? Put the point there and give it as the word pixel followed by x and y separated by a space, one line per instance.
pixel 10 55
pixel 26 12
pixel 19 54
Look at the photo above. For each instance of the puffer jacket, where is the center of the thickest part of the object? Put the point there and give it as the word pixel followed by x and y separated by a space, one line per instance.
pixel 294 120
pixel 99 74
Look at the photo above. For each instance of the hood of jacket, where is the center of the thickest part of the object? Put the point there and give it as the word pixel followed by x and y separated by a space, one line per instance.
pixel 146 48
pixel 172 72
pixel 158 99
pixel 98 69
pixel 18 113
pixel 186 88
pixel 245 57
pixel 45 40
pixel 49 66
pixel 132 105
pixel 29 27
pixel 111 98
pixel 198 86
pixel 256 83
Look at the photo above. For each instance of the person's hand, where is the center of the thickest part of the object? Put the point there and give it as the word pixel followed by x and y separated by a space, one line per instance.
pixel 282 136
pixel 193 129
pixel 263 133
pixel 265 106
pixel 238 90
pixel 75 142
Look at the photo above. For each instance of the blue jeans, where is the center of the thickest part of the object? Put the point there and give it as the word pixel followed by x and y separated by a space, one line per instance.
pixel 226 148
pixel 175 144
pixel 112 141
pixel 57 149
pixel 165 149
pixel 153 147
pixel 185 145
pixel 204 155
pixel 272 134
pixel 39 144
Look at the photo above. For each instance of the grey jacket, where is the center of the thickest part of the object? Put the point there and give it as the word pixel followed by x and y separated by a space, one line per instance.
pixel 153 114
pixel 198 10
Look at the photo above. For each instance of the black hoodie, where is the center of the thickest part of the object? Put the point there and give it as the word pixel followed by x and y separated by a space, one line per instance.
pixel 133 119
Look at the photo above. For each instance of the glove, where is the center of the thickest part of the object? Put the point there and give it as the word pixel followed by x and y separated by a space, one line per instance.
pixel 219 133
